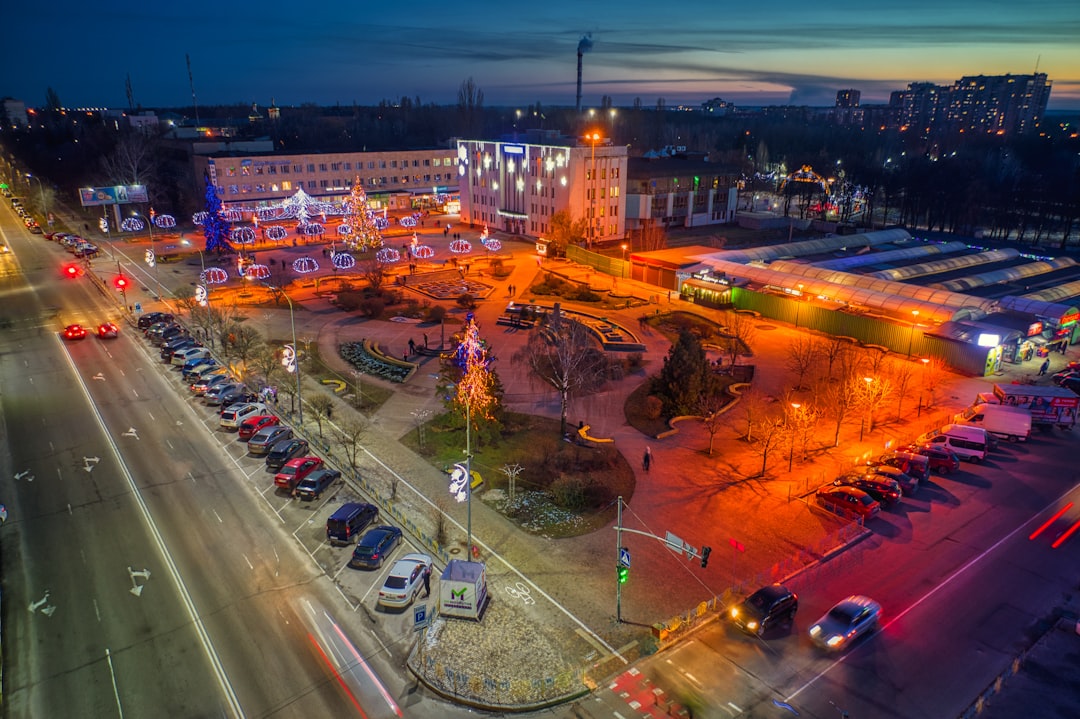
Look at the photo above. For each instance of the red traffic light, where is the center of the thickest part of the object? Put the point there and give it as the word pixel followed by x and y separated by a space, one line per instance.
pixel 121 283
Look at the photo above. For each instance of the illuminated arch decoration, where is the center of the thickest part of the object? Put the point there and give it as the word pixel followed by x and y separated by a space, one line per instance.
pixel 311 229
pixel 277 233
pixel 268 213
pixel 806 176
pixel 492 244
pixel 232 215
pixel 132 224
pixel 388 255
pixel 344 230
pixel 257 272
pixel 242 235
pixel 423 252
pixel 305 265
pixel 407 221
pixel 343 261
pixel 214 276
pixel 200 217
pixel 165 221
pixel 460 247
pixel 381 223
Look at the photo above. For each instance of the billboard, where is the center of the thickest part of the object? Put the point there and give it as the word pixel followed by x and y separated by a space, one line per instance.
pixel 118 195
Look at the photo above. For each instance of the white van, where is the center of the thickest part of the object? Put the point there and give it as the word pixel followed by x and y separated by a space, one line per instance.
pixel 1011 423
pixel 970 443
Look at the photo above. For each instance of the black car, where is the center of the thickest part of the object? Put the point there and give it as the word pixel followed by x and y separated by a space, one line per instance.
pixel 168 349
pixel 374 547
pixel 766 609
pixel 885 490
pixel 312 486
pixel 152 317
pixel 236 395
pixel 285 450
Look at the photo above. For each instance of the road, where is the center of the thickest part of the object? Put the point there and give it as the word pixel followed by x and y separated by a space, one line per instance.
pixel 963 587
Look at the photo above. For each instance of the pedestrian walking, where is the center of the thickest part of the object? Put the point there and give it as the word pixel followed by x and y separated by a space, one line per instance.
pixel 425 340
pixel 412 346
pixel 646 461
pixel 1064 346
pixel 427 582
pixel 1045 366
pixel 329 411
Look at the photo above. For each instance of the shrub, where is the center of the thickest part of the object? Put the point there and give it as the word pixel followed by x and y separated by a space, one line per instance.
pixel 653 407
pixel 436 313
pixel 581 294
pixel 466 301
pixel 372 307
pixel 570 492
pixel 349 301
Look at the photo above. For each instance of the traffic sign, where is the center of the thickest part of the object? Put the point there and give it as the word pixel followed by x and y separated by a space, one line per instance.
pixel 420 616
pixel 138 307
pixel 624 557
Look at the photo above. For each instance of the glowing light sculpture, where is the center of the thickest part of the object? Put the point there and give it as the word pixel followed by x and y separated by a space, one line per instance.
pixel 305 265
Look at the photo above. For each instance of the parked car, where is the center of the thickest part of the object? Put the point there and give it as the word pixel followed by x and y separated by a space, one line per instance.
pixel 312 486
pixel 907 483
pixel 265 438
pixel 251 425
pixel 237 396
pixel 405 580
pixel 177 344
pixel 156 332
pixel 153 317
pixel 848 501
pixel 150 332
pixel 374 547
pixel 942 460
pixel 348 521
pixel 234 414
pixel 766 609
pixel 210 380
pixel 74 332
pixel 108 331
pixel 295 470
pixel 886 491
pixel 213 395
pixel 284 451
pixel 194 366
pixel 910 463
pixel 846 622
pixel 190 352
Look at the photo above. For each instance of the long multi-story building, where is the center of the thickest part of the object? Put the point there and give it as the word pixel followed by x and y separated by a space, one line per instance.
pixel 517 187
pixel 391 179
pixel 1006 105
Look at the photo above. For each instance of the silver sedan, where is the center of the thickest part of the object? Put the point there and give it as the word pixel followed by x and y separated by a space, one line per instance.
pixel 846 622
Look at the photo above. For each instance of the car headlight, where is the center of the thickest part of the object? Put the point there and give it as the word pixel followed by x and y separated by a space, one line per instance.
pixel 815 630
pixel 751 625
pixel 835 641
pixel 734 612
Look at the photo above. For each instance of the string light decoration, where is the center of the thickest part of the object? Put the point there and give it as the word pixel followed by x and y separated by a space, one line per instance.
pixel 423 252
pixel 492 244
pixel 242 235
pixel 311 229
pixel 215 227
pixel 305 265
pixel 477 394
pixel 103 223
pixel 165 221
pixel 366 232
pixel 407 221
pixel 132 224
pixel 277 233
pixel 344 230
pixel 268 213
pixel 343 261
pixel 214 276
pixel 199 217
pixel 381 223
pixel 232 215
pixel 388 255
pixel 460 247
pixel 257 272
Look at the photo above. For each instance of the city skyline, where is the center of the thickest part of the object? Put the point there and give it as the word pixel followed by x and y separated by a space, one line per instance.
pixel 791 54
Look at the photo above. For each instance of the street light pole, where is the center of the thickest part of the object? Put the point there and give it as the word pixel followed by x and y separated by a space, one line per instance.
pixel 922 384
pixel 624 259
pixel 791 453
pixel 911 335
pixel 41 190
pixel 296 354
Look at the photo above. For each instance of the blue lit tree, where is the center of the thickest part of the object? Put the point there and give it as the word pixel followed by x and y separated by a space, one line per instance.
pixel 215 227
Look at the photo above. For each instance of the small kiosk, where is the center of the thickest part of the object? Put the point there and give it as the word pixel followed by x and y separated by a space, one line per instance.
pixel 463 590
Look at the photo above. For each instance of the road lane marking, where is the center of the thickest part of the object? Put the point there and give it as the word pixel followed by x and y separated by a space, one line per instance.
pixel 219 519
pixel 115 690
pixel 97 612
pixel 250 565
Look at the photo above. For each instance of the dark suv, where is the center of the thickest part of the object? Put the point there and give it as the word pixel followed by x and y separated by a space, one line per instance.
pixel 766 609
pixel 153 317
pixel 942 461
pixel 885 490
pixel 283 451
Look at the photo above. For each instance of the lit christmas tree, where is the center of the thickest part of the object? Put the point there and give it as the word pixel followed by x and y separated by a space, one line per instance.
pixel 215 227
pixel 478 393
pixel 365 235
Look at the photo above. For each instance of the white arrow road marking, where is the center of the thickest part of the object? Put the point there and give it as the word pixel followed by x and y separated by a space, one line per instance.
pixel 99 376
pixel 48 611
pixel 24 475
pixel 137 588
pixel 131 433
pixel 90 462
pixel 151 416
pixel 39 603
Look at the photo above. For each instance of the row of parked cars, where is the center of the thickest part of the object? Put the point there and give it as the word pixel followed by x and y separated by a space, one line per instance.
pixel 297 472
pixel 74 244
pixel 24 214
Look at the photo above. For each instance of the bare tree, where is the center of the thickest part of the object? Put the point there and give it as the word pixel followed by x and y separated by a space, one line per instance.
pixel 841 397
pixel 769 434
pixel 933 375
pixel 902 374
pixel 741 332
pixel 752 404
pixel 134 161
pixel 266 364
pixel 872 361
pixel 243 342
pixel 873 393
pixel 322 406
pixel 372 270
pixel 801 358
pixel 352 433
pixel 831 349
pixel 710 409
pixel 564 356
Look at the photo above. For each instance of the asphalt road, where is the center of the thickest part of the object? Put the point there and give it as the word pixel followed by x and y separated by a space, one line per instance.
pixel 964 590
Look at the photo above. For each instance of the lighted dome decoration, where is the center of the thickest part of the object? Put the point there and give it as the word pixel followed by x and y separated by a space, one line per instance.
pixel 407 221
pixel 460 247
pixel 423 252
pixel 132 224
pixel 268 213
pixel 311 229
pixel 344 231
pixel 199 217
pixel 388 255
pixel 343 261
pixel 305 265
pixel 492 244
pixel 242 235
pixel 381 223
pixel 214 276
pixel 232 215
pixel 276 233
pixel 165 221
pixel 257 272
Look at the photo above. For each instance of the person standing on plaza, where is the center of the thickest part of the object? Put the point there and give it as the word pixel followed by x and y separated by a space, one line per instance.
pixel 1045 366
pixel 646 461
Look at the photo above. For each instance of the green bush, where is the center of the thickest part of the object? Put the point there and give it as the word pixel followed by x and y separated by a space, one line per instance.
pixel 372 307
pixel 436 313
pixel 570 492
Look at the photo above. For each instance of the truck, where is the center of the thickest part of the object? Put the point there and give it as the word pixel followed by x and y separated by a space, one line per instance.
pixel 1011 423
pixel 1048 405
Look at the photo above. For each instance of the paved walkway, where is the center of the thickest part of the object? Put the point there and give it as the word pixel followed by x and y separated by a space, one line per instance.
pixel 527 652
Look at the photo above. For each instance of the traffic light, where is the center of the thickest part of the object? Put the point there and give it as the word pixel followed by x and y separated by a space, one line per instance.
pixel 705 552
pixel 121 283
pixel 623 573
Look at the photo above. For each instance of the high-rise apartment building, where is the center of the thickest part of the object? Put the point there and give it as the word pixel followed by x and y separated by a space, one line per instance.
pixel 998 104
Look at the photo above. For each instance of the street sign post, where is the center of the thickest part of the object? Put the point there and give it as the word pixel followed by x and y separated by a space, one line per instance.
pixel 624 557
pixel 420 617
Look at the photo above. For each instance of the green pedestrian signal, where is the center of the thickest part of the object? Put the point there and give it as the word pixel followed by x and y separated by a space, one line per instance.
pixel 623 573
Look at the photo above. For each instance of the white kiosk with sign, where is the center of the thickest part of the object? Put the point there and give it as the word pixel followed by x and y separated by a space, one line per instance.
pixel 463 590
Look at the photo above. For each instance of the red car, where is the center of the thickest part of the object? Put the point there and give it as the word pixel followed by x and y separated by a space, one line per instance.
pixel 108 331
pixel 848 501
pixel 295 470
pixel 251 425
pixel 74 332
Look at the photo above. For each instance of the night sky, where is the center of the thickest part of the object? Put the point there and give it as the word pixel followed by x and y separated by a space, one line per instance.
pixel 779 52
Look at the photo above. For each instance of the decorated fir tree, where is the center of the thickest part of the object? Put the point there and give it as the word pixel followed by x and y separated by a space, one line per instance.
pixel 215 228
pixel 365 235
